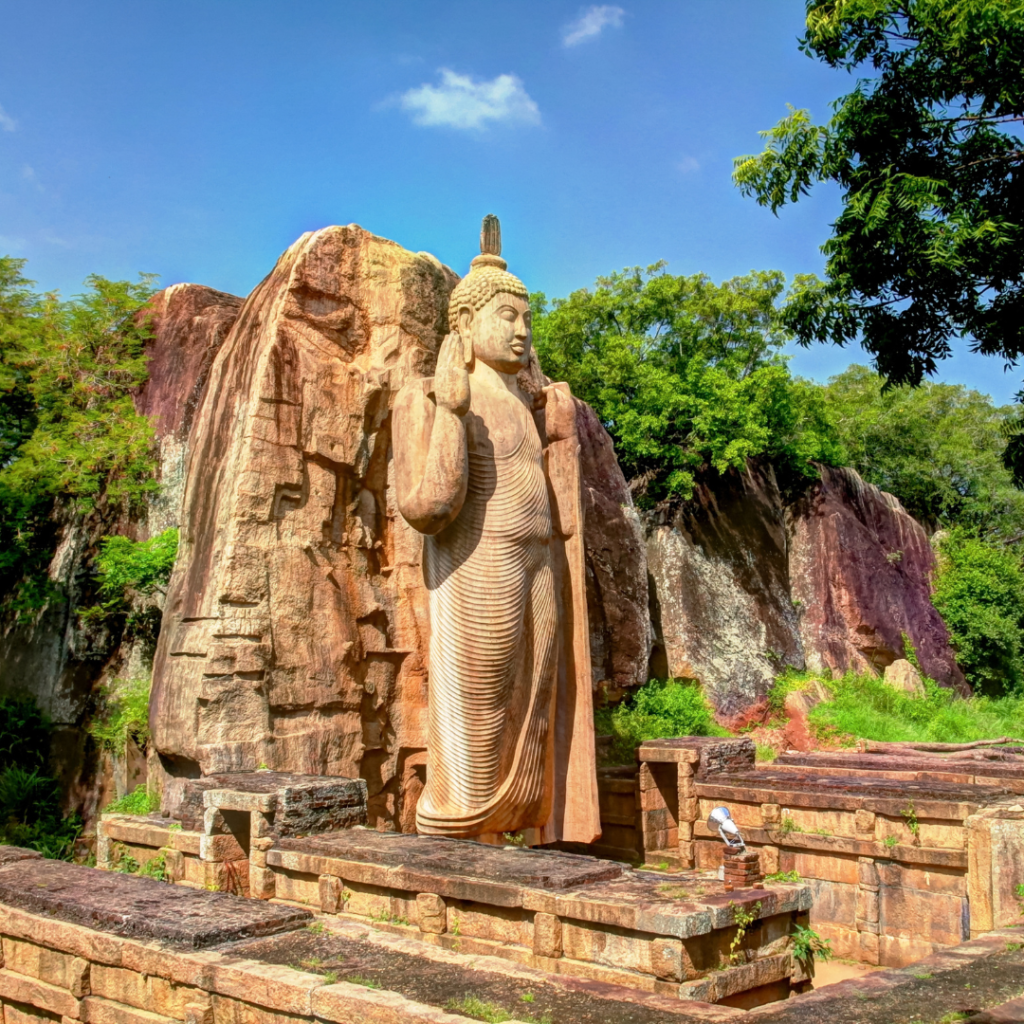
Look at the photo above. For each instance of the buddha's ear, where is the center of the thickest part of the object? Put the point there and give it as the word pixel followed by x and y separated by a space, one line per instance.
pixel 464 325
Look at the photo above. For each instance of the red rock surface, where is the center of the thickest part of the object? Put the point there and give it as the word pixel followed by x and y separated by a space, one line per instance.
pixel 722 607
pixel 861 566
pixel 189 323
pixel 617 598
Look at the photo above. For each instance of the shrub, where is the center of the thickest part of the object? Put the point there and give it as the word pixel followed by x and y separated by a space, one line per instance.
pixel 123 714
pixel 138 801
pixel 979 591
pixel 659 709
pixel 30 803
pixel 24 733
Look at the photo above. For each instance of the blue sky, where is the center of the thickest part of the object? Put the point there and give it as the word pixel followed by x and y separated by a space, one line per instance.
pixel 197 140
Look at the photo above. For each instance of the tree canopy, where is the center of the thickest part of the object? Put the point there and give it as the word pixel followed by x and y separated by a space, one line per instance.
pixel 928 154
pixel 938 448
pixel 685 373
pixel 68 426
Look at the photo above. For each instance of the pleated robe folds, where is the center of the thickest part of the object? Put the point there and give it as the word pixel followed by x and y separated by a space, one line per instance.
pixel 510 742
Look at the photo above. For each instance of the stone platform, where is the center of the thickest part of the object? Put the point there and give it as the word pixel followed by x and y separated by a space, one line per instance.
pixel 57 969
pixel 906 852
pixel 564 914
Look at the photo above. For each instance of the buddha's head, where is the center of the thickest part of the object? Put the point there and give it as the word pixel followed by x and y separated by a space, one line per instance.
pixel 490 308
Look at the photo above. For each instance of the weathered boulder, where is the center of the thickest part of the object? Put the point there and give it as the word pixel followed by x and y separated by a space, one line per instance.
pixel 617 595
pixel 860 568
pixel 189 323
pixel 295 632
pixel 745 583
pixel 903 676
pixel 721 601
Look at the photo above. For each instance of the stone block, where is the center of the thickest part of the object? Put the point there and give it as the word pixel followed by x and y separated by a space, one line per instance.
pixel 688 809
pixel 257 858
pixel 262 883
pixel 174 864
pixel 867 906
pixel 262 825
pixel 120 985
pixel 926 918
pixel 431 913
pixel 35 961
pixel 220 847
pixel 278 988
pixel 79 977
pixel 667 959
pixel 769 860
pixel 331 888
pixel 771 815
pixel 646 779
pixel 198 1013
pixel 867 872
pixel 237 800
pixel 864 822
pixel 96 1010
pixel 547 935
pixel 685 829
pixel 16 988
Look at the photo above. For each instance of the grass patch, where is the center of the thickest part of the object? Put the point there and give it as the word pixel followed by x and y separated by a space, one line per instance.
pixel 765 754
pixel 359 979
pixel 660 709
pixel 492 1013
pixel 869 708
pixel 138 801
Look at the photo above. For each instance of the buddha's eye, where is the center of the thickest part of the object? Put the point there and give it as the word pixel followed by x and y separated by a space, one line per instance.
pixel 507 313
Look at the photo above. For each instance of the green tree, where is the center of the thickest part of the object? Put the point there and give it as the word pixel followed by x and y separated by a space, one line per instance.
pixel 18 312
pixel 927 152
pixel 979 592
pixel 938 448
pixel 684 374
pixel 68 426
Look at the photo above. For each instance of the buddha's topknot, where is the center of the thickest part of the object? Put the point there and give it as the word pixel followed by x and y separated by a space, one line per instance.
pixel 487 276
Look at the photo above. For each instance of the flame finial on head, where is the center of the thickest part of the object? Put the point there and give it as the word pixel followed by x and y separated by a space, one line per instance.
pixel 490 235
pixel 488 275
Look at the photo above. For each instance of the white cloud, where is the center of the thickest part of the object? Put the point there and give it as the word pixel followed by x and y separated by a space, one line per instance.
pixel 590 23
pixel 6 121
pixel 461 102
pixel 688 163
pixel 29 175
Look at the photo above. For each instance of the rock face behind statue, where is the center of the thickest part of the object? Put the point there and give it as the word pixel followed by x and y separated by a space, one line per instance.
pixel 291 635
pixel 296 627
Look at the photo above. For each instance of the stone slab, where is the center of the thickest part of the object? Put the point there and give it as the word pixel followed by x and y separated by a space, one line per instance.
pixel 434 856
pixel 298 803
pixel 932 799
pixel 137 907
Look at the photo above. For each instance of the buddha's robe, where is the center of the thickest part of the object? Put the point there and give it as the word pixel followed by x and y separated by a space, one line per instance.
pixel 510 730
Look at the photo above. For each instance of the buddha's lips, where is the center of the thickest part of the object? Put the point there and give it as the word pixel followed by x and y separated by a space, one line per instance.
pixel 518 348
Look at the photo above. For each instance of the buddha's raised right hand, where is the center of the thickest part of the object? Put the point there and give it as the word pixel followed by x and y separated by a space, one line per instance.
pixel 451 378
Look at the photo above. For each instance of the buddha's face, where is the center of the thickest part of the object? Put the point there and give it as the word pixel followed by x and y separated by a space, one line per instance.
pixel 500 332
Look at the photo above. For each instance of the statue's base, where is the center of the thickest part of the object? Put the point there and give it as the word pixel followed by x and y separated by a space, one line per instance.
pixel 562 913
